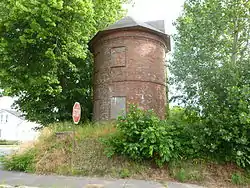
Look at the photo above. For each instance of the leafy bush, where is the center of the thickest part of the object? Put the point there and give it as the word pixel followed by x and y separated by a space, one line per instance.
pixel 142 135
pixel 185 126
pixel 20 161
pixel 218 79
pixel 221 130
pixel 226 126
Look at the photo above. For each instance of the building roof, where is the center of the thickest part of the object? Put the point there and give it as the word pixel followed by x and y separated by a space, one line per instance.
pixel 130 22
pixel 156 27
pixel 159 24
pixel 13 112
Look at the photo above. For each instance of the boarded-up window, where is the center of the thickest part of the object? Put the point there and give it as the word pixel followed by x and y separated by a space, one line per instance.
pixel 118 107
pixel 118 57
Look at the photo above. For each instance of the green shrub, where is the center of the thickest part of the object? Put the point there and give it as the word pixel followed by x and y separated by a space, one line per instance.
pixel 219 130
pixel 23 162
pixel 226 126
pixel 141 135
pixel 185 129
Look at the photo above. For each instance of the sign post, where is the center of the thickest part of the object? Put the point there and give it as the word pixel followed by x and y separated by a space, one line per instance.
pixel 76 115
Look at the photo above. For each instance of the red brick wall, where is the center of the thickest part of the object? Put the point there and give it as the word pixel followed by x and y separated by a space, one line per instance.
pixel 130 64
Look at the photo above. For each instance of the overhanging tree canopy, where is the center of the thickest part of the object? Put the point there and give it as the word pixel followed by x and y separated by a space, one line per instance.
pixel 44 54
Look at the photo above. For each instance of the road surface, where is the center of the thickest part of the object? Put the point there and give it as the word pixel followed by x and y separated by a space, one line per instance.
pixel 17 179
pixel 5 150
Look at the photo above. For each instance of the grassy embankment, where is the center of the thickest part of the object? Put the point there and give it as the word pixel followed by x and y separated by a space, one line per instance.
pixel 53 153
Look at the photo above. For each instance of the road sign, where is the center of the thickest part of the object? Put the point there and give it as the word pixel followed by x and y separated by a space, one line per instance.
pixel 76 112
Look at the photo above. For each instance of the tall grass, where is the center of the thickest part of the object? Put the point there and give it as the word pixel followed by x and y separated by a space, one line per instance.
pixel 59 151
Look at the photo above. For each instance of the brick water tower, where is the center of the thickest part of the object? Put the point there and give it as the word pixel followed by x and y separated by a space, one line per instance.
pixel 129 67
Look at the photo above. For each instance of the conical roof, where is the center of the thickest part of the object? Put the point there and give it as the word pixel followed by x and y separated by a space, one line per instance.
pixel 157 27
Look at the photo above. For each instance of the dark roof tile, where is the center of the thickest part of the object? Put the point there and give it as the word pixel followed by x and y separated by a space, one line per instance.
pixel 156 27
pixel 130 22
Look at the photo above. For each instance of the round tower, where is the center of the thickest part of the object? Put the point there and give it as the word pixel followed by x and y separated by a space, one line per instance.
pixel 129 68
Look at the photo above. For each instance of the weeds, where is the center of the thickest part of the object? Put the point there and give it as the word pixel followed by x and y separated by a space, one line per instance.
pixel 191 170
pixel 20 162
pixel 237 179
pixel 54 152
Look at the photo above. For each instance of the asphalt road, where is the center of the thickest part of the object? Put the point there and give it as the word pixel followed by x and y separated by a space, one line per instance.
pixel 5 150
pixel 17 179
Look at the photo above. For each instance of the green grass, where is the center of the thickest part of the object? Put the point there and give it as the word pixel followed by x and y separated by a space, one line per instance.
pixel 1 158
pixel 8 146
pixel 186 171
pixel 6 142
pixel 88 156
pixel 62 152
pixel 208 173
pixel 239 178
pixel 55 153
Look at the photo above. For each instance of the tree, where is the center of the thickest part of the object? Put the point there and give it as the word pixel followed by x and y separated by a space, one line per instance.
pixel 44 53
pixel 211 64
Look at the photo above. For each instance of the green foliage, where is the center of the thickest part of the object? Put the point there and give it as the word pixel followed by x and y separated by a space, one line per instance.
pixel 181 175
pixel 141 135
pixel 188 170
pixel 227 129
pixel 20 162
pixel 53 152
pixel 212 46
pixel 125 173
pixel 185 125
pixel 44 53
pixel 237 179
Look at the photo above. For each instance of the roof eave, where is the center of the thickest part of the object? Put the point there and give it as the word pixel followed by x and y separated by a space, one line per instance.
pixel 164 36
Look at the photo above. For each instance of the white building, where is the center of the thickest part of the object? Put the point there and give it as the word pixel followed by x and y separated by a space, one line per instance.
pixel 13 126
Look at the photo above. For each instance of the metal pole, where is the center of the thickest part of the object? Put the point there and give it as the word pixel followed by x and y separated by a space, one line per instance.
pixel 73 149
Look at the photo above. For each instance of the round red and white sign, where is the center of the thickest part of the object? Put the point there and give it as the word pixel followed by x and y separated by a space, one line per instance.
pixel 76 113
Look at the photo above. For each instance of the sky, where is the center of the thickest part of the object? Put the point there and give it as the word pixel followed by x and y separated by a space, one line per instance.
pixel 167 10
pixel 142 10
pixel 6 102
pixel 148 10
